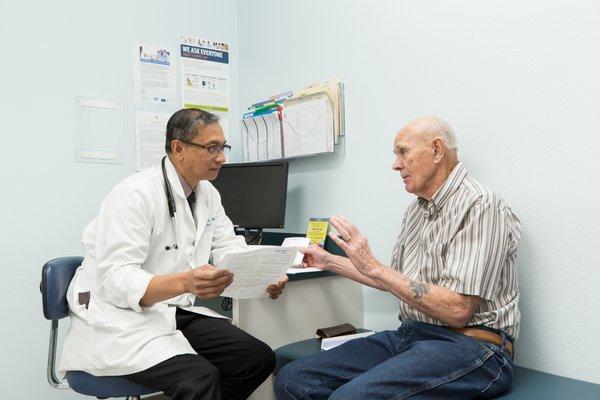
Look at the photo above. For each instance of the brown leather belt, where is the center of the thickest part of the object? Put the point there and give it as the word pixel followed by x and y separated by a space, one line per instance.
pixel 487 336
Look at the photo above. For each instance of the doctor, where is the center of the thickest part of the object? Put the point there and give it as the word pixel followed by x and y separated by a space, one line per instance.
pixel 147 257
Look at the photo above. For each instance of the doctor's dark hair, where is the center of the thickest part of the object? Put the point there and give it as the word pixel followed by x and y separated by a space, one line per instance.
pixel 184 123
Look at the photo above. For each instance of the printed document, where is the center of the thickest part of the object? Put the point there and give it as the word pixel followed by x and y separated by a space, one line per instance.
pixel 254 270
pixel 150 130
pixel 154 74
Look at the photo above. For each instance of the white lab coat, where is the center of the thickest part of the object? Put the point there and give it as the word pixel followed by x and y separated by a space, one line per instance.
pixel 124 248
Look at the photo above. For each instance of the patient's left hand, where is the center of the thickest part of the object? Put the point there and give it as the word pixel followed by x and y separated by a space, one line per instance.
pixel 275 290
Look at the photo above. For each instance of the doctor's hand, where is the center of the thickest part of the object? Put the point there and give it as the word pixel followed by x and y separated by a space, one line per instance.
pixel 355 245
pixel 275 290
pixel 315 256
pixel 207 282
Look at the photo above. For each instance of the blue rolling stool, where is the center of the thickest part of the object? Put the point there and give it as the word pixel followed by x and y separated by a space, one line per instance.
pixel 56 276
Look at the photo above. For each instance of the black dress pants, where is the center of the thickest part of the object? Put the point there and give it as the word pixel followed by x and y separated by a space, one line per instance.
pixel 230 363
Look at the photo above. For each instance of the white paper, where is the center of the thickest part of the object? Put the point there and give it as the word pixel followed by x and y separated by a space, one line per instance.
pixel 254 270
pixel 262 137
pixel 249 139
pixel 273 132
pixel 330 343
pixel 204 74
pixel 307 126
pixel 150 128
pixel 154 74
pixel 294 270
pixel 334 90
pixel 296 242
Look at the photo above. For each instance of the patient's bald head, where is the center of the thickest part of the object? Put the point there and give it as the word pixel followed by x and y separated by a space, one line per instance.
pixel 426 153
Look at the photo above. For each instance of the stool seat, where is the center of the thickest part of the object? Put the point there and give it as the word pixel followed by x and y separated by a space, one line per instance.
pixel 105 386
pixel 56 277
pixel 528 384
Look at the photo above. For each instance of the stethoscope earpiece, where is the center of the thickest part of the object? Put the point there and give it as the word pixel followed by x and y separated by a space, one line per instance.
pixel 174 247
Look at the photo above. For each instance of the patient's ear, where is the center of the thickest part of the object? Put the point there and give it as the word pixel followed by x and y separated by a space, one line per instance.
pixel 439 149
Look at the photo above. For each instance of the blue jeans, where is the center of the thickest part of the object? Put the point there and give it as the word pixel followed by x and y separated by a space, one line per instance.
pixel 417 361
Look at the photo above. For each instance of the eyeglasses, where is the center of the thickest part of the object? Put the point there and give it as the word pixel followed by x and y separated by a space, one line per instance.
pixel 213 149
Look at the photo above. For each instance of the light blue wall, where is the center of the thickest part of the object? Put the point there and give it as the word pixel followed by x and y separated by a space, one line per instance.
pixel 52 51
pixel 520 83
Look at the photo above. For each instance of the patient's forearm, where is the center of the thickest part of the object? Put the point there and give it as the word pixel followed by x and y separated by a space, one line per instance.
pixel 343 266
pixel 436 301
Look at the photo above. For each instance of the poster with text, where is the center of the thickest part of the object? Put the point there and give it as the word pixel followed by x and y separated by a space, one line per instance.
pixel 154 74
pixel 150 130
pixel 204 74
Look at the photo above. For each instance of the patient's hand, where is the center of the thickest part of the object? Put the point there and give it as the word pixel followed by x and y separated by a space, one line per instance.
pixel 355 245
pixel 315 256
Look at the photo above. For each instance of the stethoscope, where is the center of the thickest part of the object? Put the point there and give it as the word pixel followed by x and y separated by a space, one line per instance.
pixel 172 208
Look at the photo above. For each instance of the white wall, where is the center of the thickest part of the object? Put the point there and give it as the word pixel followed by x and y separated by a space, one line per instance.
pixel 519 81
pixel 52 51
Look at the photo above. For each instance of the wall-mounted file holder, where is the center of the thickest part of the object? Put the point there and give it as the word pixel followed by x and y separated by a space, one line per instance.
pixel 306 122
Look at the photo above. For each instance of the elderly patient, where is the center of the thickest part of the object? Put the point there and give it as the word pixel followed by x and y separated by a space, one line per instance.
pixel 453 271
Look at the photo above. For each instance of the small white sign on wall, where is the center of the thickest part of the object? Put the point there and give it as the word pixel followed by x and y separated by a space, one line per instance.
pixel 99 130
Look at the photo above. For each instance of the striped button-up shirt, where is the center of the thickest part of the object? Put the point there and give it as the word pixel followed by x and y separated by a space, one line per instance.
pixel 464 239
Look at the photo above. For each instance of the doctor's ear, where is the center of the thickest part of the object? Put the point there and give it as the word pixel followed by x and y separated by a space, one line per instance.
pixel 176 148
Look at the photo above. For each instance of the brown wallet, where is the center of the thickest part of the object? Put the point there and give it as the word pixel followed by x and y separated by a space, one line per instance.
pixel 337 330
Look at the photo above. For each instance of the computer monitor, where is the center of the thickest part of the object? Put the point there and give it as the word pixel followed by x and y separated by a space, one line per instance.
pixel 254 194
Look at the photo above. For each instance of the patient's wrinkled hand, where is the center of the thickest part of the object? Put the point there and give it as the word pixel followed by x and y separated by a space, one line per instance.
pixel 314 256
pixel 355 245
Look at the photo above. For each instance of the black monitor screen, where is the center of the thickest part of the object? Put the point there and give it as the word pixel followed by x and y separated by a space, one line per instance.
pixel 254 194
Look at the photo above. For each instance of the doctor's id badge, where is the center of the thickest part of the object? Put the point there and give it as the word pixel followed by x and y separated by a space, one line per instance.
pixel 317 230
